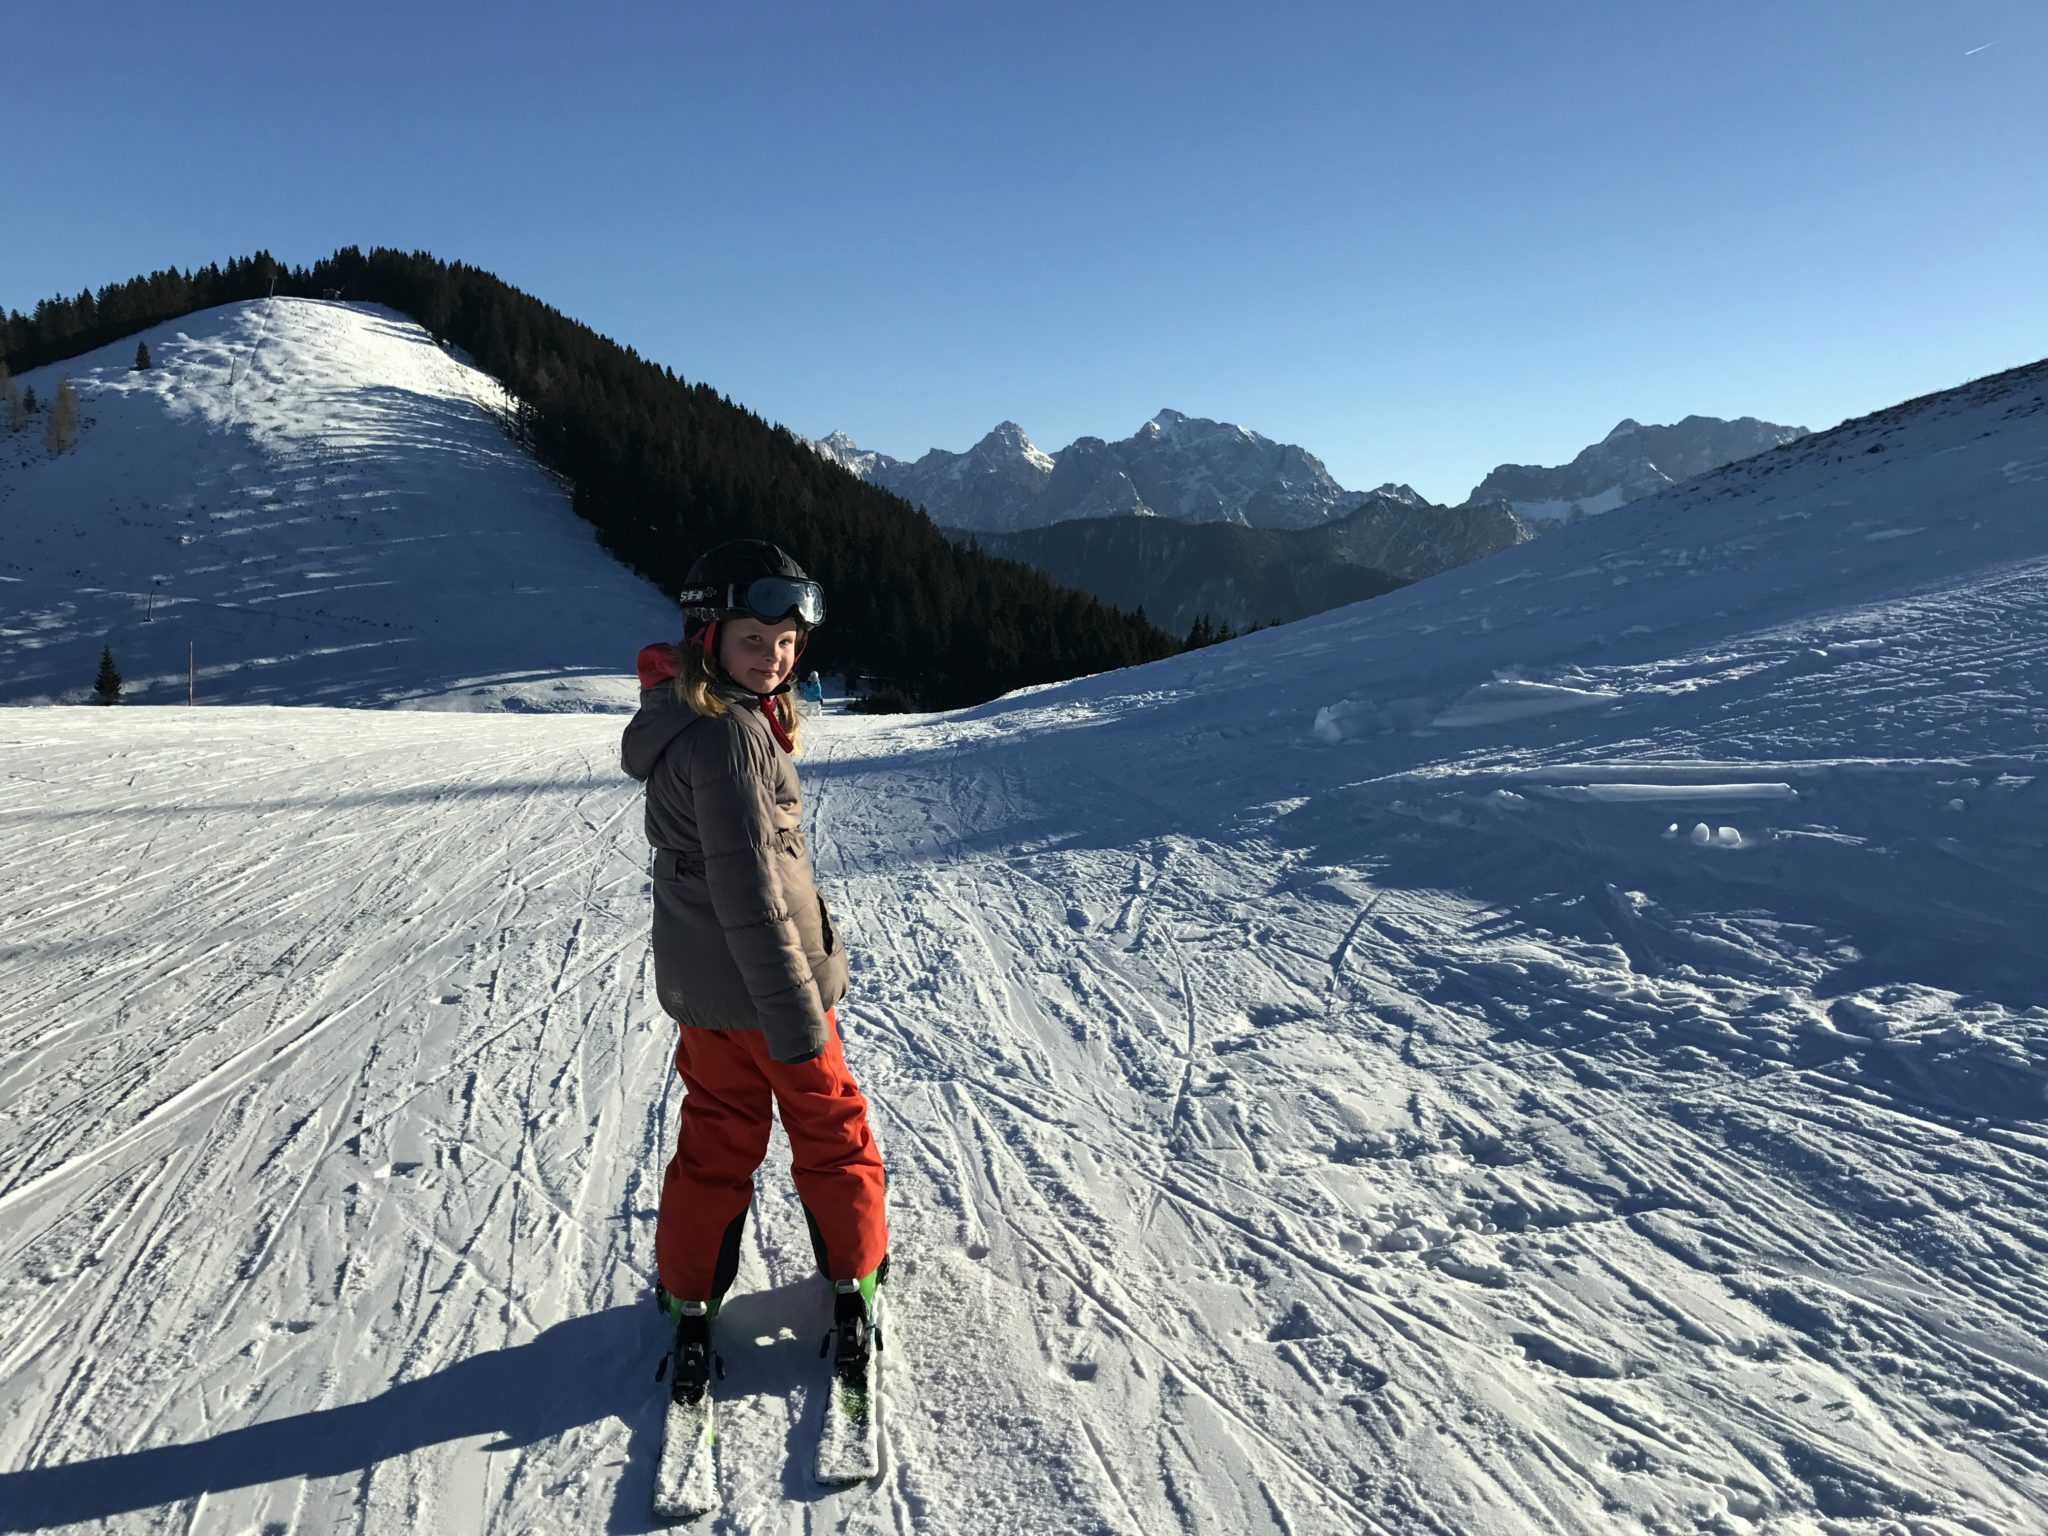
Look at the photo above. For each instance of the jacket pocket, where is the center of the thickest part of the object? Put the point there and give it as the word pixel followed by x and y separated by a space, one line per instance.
pixel 825 926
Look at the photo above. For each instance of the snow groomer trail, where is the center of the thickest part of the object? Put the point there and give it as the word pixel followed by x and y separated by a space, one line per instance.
pixel 1557 1048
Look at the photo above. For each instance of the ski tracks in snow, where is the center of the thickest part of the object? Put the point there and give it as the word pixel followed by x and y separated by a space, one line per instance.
pixel 999 982
pixel 1312 1197
pixel 1236 1186
pixel 334 1105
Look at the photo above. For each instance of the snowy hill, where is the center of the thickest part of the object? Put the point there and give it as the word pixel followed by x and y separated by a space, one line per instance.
pixel 321 504
pixel 1559 1047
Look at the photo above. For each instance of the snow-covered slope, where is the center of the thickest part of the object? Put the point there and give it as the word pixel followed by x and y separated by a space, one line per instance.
pixel 320 504
pixel 1556 1048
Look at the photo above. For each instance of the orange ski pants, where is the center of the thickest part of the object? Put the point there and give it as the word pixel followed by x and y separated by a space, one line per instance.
pixel 731 1081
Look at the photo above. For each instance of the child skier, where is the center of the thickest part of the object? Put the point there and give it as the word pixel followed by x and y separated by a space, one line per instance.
pixel 745 956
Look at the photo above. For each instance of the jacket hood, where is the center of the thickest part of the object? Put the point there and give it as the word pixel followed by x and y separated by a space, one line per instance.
pixel 662 717
pixel 662 663
pixel 656 665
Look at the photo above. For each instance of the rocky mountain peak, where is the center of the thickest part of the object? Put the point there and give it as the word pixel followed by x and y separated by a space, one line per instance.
pixel 842 450
pixel 1005 446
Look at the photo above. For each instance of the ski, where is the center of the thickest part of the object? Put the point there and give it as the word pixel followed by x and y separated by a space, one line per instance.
pixel 686 1480
pixel 850 1444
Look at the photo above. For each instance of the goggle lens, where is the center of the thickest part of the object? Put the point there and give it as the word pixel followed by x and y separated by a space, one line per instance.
pixel 771 599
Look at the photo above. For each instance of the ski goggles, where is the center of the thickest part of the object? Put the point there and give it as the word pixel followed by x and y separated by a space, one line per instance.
pixel 771 599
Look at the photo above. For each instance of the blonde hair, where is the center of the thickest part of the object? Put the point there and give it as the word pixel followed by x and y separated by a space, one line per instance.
pixel 699 678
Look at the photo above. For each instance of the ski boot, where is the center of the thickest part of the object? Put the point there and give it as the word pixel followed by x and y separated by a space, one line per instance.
pixel 853 1327
pixel 691 1362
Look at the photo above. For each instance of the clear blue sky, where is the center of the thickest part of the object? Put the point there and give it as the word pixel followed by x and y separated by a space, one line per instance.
pixel 1419 239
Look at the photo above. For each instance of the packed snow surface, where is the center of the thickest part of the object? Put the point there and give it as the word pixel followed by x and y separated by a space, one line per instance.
pixel 1408 1125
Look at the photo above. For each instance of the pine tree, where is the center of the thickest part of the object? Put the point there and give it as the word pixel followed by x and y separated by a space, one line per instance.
pixel 142 356
pixel 10 399
pixel 61 430
pixel 28 401
pixel 108 684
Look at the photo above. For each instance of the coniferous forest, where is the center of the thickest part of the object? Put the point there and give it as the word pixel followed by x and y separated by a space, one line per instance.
pixel 663 469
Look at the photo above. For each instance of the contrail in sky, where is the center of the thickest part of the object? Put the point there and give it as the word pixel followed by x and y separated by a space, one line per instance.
pixel 1978 49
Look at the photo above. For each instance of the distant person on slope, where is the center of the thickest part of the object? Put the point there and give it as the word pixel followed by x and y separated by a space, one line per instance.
pixel 745 957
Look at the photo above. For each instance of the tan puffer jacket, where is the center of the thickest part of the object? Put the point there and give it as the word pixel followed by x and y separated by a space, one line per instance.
pixel 742 939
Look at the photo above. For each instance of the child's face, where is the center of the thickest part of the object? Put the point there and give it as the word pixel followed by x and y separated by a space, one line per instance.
pixel 757 656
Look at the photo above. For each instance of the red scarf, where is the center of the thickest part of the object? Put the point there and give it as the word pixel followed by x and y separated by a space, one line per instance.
pixel 767 701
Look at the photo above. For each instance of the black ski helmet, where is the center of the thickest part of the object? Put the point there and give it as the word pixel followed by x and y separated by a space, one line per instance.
pixel 722 584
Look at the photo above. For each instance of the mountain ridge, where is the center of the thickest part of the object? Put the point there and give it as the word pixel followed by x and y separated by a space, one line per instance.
pixel 1190 468
pixel 1194 469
